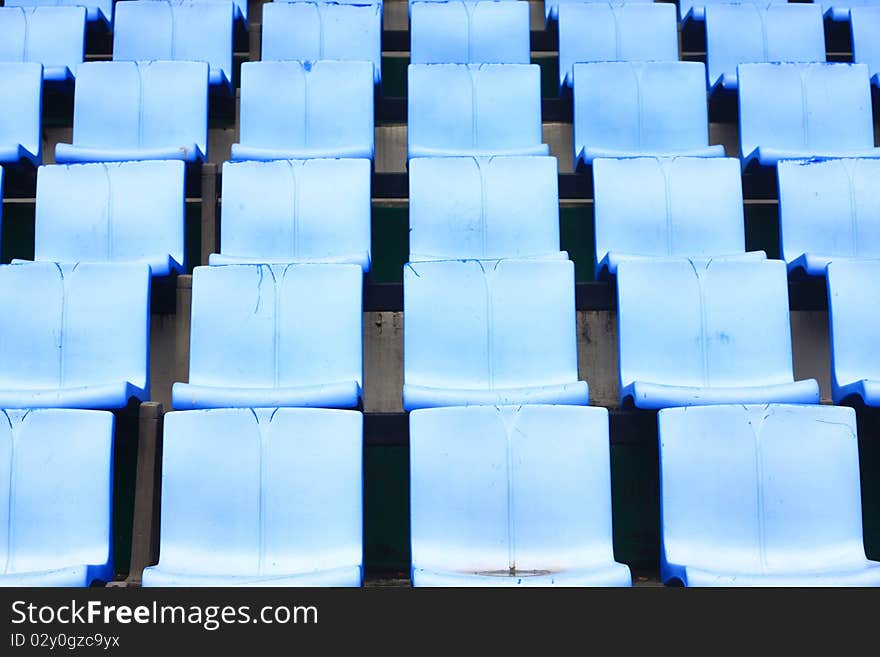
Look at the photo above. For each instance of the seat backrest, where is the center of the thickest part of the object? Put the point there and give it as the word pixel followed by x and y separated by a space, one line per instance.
pixel 21 87
pixel 51 36
pixel 854 314
pixel 696 9
pixel 95 9
pixel 865 25
pixel 841 10
pixel 551 7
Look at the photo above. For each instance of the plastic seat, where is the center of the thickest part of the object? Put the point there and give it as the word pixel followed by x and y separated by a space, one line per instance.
pixel 658 207
pixel 713 332
pixel 273 335
pixel 599 32
pixel 74 336
pixel 747 33
pixel 312 31
pixel 138 111
pixel 180 30
pixel 843 12
pixel 695 10
pixel 551 7
pixel 802 111
pixel 96 10
pixel 762 496
pixel 467 207
pixel 113 212
pixel 828 211
pixel 302 110
pixel 21 87
pixel 56 482
pixel 486 32
pixel 512 496
pixel 637 109
pixel 52 36
pixel 261 497
pixel 865 25
pixel 490 332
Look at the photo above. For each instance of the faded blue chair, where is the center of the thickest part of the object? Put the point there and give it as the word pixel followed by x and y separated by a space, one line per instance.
pixel 841 11
pixel 551 7
pixel 96 10
pixel 512 496
pixel 763 495
pixel 695 10
pixel 865 27
pixel 21 87
pixel 828 211
pixel 288 211
pixel 474 109
pixel 56 487
pixel 138 111
pixel 261 497
pixel 469 207
pixel 490 332
pixel 706 332
pixel 255 342
pixel 802 111
pixel 302 110
pixel 52 36
pixel 74 335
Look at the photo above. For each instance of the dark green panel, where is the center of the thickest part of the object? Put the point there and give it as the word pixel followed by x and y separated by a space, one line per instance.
pixel 193 235
pixel 576 235
pixel 390 243
pixel 762 229
pixel 394 83
pixel 549 75
pixel 869 464
pixel 635 499
pixel 386 509
pixel 125 450
pixel 17 239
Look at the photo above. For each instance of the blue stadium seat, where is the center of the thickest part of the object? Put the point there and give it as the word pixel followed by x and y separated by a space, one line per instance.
pixel 696 9
pixel 288 211
pixel 599 32
pixel 74 336
pixel 139 111
pixel 636 109
pixel 96 10
pixel 52 36
pixel 841 11
pixel 490 332
pixel 56 497
pixel 551 7
pixel 311 31
pixel 706 332
pixel 802 111
pixel 853 289
pixel 261 497
pixel 657 207
pixel 474 109
pixel 21 88
pixel 747 33
pixel 302 110
pixel 828 211
pixel 762 495
pixel 512 496
pixel 469 207
pixel 484 32
pixel 255 340
pixel 177 30
pixel 113 212
pixel 865 26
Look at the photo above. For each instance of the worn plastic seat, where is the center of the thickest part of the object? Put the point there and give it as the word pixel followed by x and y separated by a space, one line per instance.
pixel 490 332
pixel 762 496
pixel 865 26
pixel 112 212
pixel 801 111
pixel 139 111
pixel 302 110
pixel 695 10
pixel 474 109
pixel 96 10
pixel 828 211
pixel 74 336
pixel 600 32
pixel 261 497
pixel 468 207
pixel 52 36
pixel 658 207
pixel 176 30
pixel 512 496
pixel 485 32
pixel 257 340
pixel 551 7
pixel 637 109
pixel 841 11
pixel 21 87
pixel 56 482
pixel 706 332
pixel 747 33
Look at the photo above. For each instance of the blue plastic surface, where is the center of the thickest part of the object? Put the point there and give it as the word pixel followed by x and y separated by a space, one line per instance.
pixel 52 36
pixel 467 207
pixel 274 335
pixel 865 25
pixel 112 212
pixel 636 109
pixel 490 332
pixel 96 10
pixel 512 496
pixel 722 337
pixel 261 497
pixel 474 109
pixel 842 11
pixel 762 496
pixel 74 336
pixel 551 7
pixel 696 9
pixel 288 211
pixel 801 111
pixel 56 483
pixel 21 88
pixel 302 110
